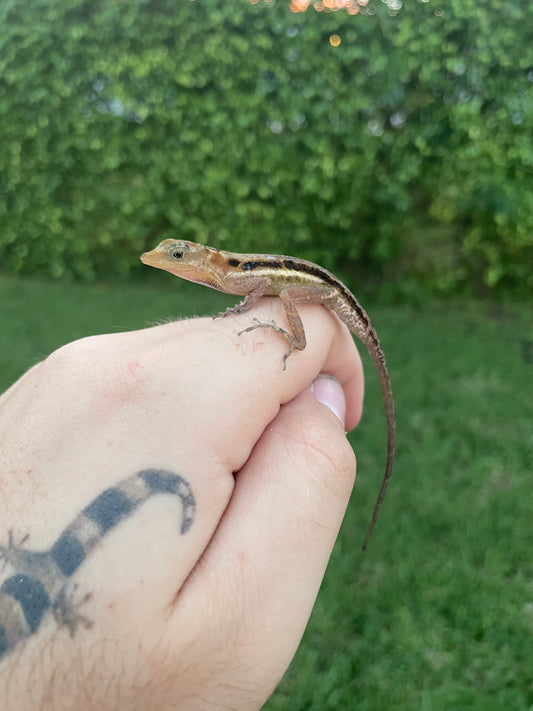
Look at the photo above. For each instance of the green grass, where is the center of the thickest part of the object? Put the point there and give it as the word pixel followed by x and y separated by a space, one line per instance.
pixel 438 613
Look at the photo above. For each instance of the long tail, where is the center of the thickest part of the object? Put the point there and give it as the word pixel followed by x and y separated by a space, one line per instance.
pixel 379 359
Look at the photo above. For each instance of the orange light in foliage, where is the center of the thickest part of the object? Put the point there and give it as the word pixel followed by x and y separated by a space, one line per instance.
pixel 352 6
pixel 299 5
pixel 335 40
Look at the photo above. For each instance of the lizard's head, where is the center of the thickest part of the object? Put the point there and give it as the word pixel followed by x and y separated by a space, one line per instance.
pixel 187 260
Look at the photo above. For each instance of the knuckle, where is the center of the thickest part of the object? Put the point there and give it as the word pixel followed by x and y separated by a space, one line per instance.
pixel 327 454
pixel 336 463
pixel 71 356
pixel 95 369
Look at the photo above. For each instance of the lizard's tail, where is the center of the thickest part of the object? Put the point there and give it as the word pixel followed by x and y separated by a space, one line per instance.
pixel 379 360
pixel 113 506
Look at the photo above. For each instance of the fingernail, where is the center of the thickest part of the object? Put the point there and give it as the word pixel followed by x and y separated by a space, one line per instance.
pixel 329 392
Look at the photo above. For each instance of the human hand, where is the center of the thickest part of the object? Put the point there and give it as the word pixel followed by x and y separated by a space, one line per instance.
pixel 193 489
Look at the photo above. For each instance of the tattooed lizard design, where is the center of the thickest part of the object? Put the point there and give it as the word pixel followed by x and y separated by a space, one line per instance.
pixel 39 583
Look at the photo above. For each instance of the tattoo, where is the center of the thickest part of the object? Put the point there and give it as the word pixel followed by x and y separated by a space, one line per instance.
pixel 39 583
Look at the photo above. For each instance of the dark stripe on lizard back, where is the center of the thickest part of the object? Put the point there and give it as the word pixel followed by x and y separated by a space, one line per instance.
pixel 314 270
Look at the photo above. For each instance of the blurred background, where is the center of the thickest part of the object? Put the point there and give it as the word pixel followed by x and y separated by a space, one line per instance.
pixel 390 141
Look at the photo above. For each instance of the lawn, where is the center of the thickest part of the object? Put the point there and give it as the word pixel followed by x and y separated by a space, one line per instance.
pixel 438 613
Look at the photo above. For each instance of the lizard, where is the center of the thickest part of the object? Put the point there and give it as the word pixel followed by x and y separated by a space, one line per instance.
pixel 39 582
pixel 294 281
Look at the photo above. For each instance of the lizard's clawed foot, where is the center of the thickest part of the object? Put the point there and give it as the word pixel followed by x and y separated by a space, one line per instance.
pixel 233 310
pixel 10 552
pixel 288 337
pixel 228 312
pixel 287 354
pixel 65 611
pixel 272 325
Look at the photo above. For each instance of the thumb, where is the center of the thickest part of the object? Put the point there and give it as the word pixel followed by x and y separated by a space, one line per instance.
pixel 271 549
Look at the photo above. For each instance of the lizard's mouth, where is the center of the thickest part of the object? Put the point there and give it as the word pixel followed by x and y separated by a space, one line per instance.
pixel 189 272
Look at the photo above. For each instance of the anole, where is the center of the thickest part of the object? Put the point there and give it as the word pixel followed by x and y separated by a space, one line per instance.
pixel 294 281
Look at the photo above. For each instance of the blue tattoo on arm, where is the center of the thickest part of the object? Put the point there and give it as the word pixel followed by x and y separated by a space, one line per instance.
pixel 39 583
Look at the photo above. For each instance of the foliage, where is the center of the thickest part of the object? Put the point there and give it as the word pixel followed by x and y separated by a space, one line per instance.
pixel 406 149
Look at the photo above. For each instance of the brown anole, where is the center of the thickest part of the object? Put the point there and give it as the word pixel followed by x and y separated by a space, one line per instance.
pixel 294 281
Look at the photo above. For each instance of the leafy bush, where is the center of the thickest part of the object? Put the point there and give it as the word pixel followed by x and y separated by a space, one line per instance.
pixel 405 149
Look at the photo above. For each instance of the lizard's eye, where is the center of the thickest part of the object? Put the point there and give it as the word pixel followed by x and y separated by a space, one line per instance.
pixel 179 251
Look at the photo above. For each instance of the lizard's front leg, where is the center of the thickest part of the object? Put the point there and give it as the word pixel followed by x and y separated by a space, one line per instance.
pixel 249 301
pixel 289 297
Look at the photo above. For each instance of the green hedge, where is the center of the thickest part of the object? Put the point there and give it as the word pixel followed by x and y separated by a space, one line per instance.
pixel 406 150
